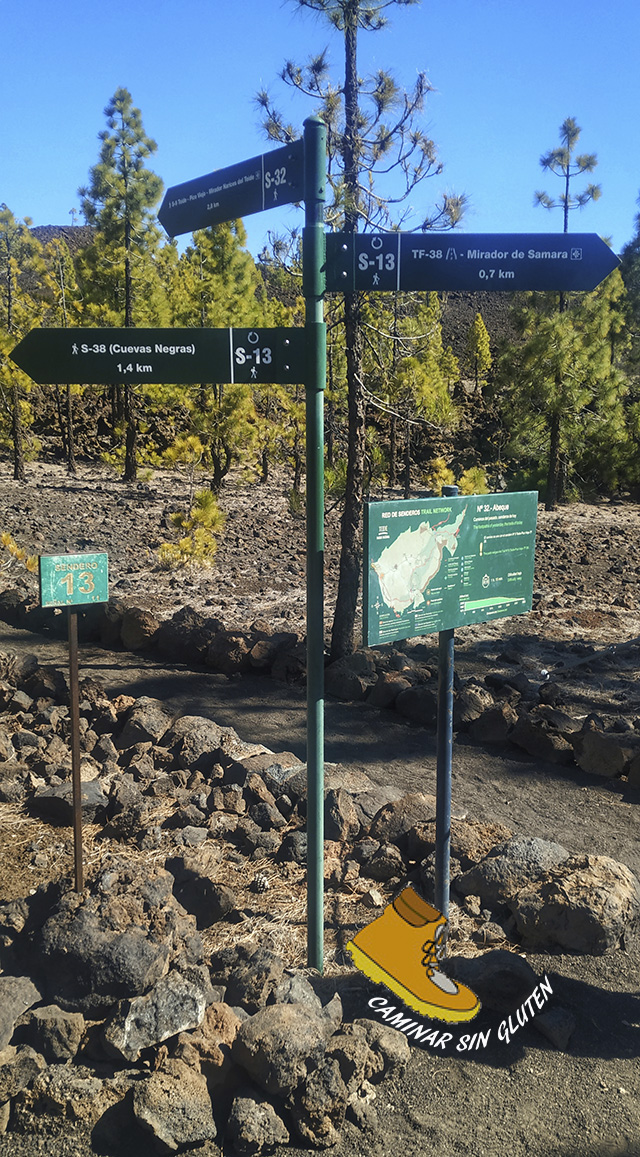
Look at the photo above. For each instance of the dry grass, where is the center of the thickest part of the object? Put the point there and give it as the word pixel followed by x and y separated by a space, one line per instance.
pixel 271 900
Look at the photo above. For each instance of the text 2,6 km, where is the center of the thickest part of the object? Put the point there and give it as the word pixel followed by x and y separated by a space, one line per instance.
pixel 496 274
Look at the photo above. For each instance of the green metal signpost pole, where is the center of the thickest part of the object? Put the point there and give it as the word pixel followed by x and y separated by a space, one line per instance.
pixel 314 284
pixel 444 758
pixel 74 702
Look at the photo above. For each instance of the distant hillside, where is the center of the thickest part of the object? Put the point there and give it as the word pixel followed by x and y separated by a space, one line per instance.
pixel 459 311
pixel 76 236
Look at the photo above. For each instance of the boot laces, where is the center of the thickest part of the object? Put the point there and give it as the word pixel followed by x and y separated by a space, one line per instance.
pixel 433 951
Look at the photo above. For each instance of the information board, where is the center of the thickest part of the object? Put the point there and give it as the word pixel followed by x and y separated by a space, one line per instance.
pixel 71 580
pixel 438 563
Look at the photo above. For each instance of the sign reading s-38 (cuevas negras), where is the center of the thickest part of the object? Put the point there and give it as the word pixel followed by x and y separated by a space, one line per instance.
pixel 438 563
pixel 71 580
pixel 162 356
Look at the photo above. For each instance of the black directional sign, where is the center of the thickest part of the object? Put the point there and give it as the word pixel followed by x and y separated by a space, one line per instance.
pixel 471 261
pixel 156 356
pixel 263 182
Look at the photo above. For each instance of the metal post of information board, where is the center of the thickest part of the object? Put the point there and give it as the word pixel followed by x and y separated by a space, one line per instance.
pixel 74 702
pixel 444 758
pixel 313 285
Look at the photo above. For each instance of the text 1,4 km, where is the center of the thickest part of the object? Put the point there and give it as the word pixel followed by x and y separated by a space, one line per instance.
pixel 134 368
pixel 496 274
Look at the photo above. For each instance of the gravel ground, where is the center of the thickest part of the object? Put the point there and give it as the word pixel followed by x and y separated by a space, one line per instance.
pixel 515 1099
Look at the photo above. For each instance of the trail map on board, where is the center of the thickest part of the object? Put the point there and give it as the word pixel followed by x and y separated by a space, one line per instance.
pixel 437 563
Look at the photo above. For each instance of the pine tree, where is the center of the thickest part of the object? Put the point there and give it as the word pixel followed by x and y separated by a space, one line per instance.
pixel 21 267
pixel 563 388
pixel 563 162
pixel 630 270
pixel 409 372
pixel 64 309
pixel 478 358
pixel 372 133
pixel 215 283
pixel 118 274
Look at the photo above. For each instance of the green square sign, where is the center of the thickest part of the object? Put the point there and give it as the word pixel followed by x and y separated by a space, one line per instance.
pixel 437 563
pixel 71 580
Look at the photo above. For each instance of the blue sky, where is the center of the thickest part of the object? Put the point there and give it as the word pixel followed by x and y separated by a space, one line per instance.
pixel 506 74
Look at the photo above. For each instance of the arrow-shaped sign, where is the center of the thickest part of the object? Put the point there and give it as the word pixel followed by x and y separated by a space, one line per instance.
pixel 472 261
pixel 263 182
pixel 157 356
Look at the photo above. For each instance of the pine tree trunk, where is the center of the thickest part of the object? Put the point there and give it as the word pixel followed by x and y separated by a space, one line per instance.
pixel 61 422
pixel 562 485
pixel 131 425
pixel 330 438
pixel 298 452
pixel 131 437
pixel 221 458
pixel 342 635
pixel 554 459
pixel 116 403
pixel 393 450
pixel 331 409
pixel 19 472
pixel 71 446
pixel 407 463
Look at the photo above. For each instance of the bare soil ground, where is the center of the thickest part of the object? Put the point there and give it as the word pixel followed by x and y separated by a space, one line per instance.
pixel 524 1098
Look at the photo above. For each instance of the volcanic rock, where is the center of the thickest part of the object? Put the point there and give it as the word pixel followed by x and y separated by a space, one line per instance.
pixel 146 721
pixel 254 1126
pixel 18 1067
pixel 604 753
pixel 53 1032
pixel 510 867
pixel 393 822
pixel 589 904
pixel 174 1104
pixel 17 994
pixel 500 979
pixel 280 1045
pixel 390 1047
pixel 115 941
pixel 173 1005
pixel 320 1103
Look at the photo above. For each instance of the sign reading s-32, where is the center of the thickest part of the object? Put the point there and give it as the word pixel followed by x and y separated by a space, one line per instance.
pixel 263 182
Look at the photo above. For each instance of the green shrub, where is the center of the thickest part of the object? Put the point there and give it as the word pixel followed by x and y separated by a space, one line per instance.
pixel 200 528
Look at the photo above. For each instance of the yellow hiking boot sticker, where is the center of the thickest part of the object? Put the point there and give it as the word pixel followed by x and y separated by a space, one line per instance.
pixel 402 949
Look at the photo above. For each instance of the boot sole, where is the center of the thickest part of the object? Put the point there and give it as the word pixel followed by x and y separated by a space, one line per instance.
pixel 434 1011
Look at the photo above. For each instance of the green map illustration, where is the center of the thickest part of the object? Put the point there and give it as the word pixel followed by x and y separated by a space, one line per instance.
pixel 406 568
pixel 437 563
